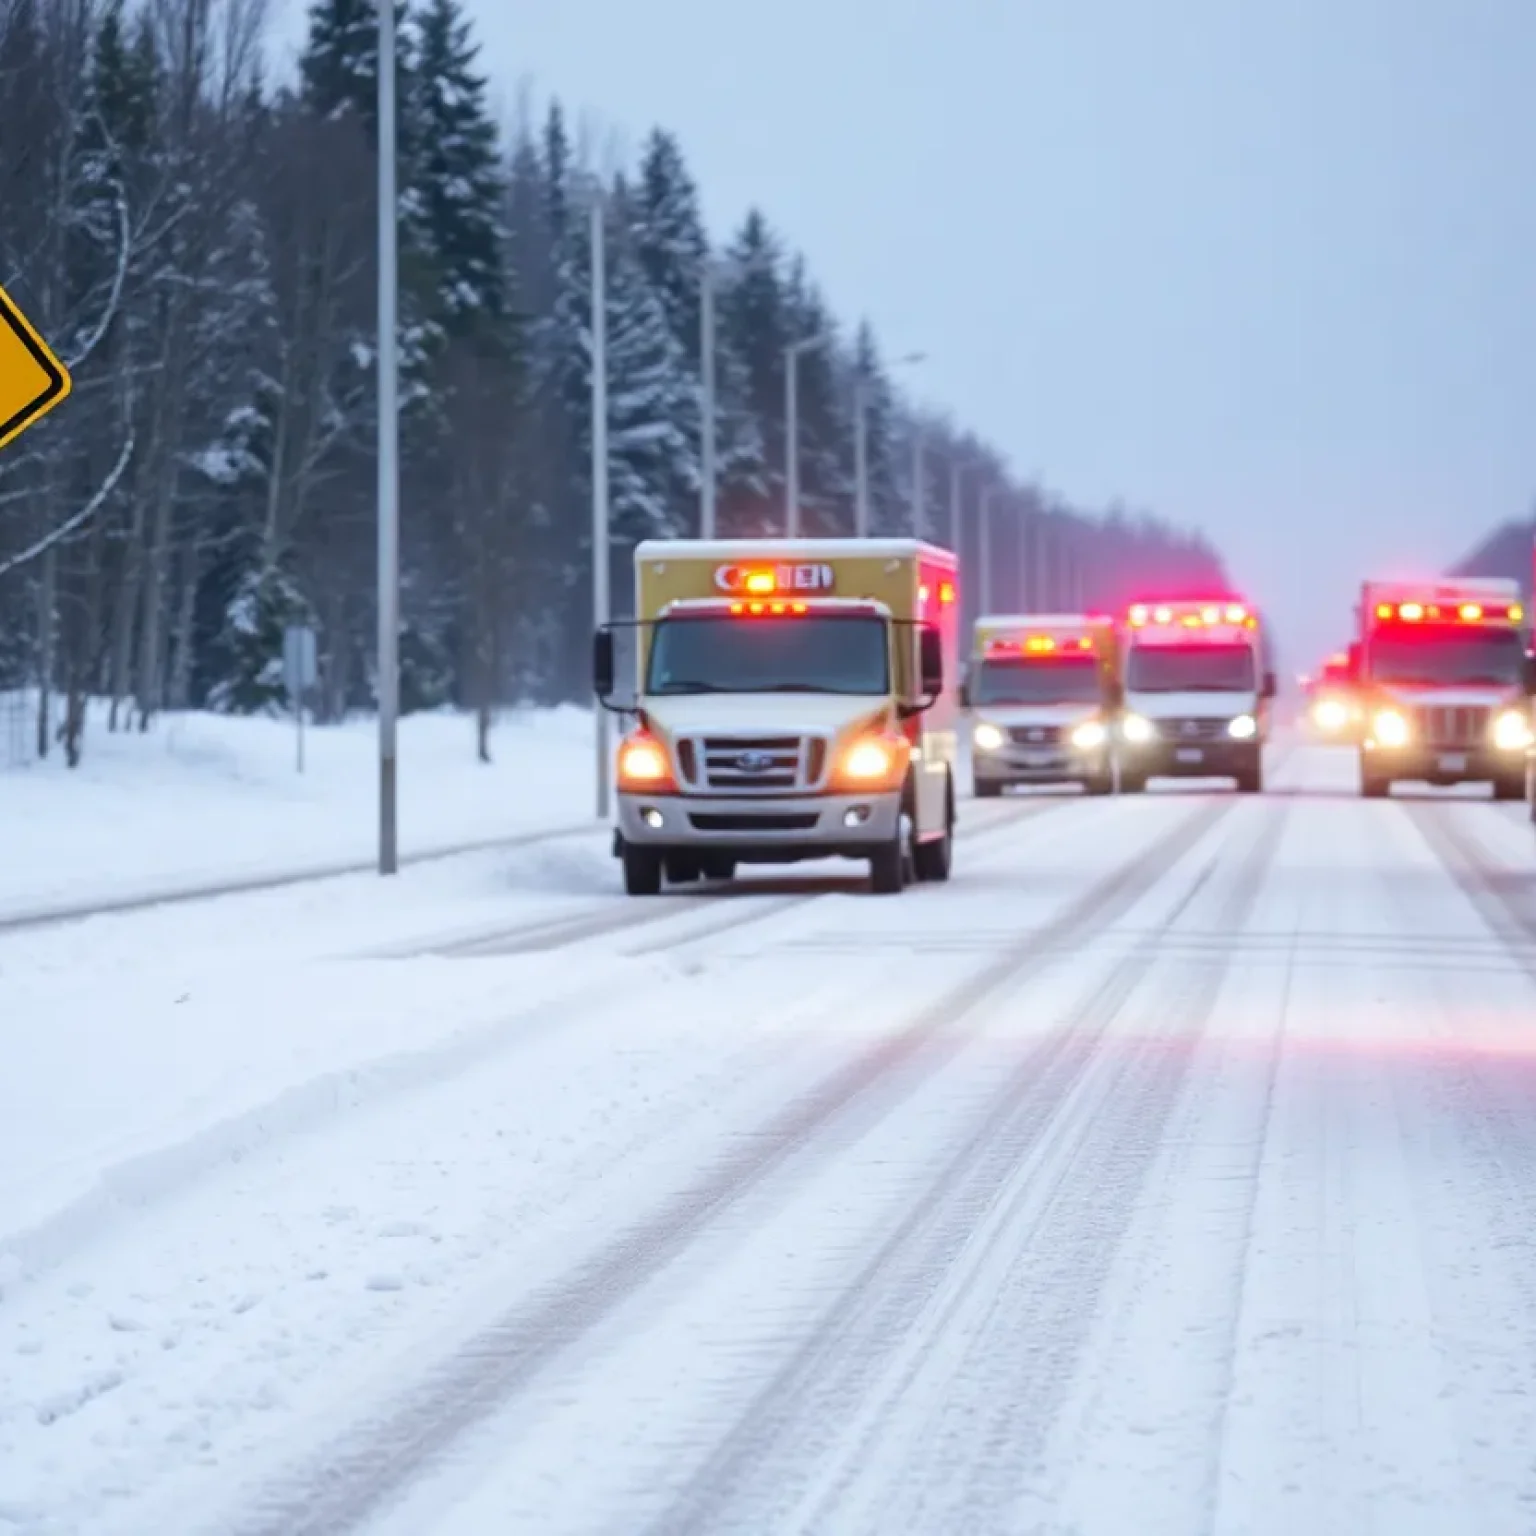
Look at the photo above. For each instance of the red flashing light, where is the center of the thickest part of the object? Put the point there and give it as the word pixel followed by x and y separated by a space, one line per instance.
pixel 758 609
pixel 946 592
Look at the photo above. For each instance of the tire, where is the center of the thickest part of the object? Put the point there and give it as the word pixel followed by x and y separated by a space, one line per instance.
pixel 888 868
pixel 1133 784
pixel 988 789
pixel 1103 785
pixel 1373 787
pixel 1509 788
pixel 682 870
pixel 642 871
pixel 933 861
pixel 719 867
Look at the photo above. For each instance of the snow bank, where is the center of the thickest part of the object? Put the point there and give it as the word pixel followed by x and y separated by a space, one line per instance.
pixel 202 798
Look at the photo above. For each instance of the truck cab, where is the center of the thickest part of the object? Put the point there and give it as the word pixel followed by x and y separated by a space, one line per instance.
pixel 1197 694
pixel 793 700
pixel 1443 680
pixel 1043 691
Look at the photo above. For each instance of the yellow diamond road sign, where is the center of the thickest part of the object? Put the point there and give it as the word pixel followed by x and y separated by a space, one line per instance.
pixel 32 379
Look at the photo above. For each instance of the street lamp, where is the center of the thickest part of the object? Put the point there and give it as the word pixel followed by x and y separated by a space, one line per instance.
pixel 861 518
pixel 984 515
pixel 601 543
pixel 792 428
pixel 389 461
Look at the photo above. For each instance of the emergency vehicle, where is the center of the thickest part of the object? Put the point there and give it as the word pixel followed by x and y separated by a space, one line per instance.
pixel 1043 691
pixel 794 700
pixel 1444 684
pixel 1197 694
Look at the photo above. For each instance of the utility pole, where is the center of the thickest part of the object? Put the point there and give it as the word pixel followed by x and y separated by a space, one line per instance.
pixel 860 458
pixel 792 431
pixel 984 586
pixel 389 457
pixel 707 473
pixel 919 472
pixel 955 472
pixel 600 539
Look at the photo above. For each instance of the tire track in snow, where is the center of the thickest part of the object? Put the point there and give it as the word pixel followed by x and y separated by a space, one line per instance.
pixel 1015 1193
pixel 358 1474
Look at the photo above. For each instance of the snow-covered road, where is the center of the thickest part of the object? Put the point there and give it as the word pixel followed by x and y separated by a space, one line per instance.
pixel 1172 1170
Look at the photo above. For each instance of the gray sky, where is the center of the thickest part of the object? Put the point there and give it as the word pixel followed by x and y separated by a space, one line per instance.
pixel 1269 268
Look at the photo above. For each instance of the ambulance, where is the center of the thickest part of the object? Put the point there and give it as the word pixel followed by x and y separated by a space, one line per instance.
pixel 1442 676
pixel 1197 694
pixel 792 700
pixel 1333 711
pixel 1043 691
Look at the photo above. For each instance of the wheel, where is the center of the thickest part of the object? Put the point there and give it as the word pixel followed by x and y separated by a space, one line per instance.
pixel 682 870
pixel 988 789
pixel 888 868
pixel 932 861
pixel 1509 789
pixel 1104 784
pixel 1133 783
pixel 642 871
pixel 1251 782
pixel 719 867
pixel 1374 787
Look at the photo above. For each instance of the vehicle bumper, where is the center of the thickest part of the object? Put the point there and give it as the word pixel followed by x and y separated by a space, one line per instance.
pixel 763 830
pixel 1441 765
pixel 1202 760
pixel 1039 765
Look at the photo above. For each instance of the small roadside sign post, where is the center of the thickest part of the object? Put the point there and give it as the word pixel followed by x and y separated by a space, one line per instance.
pixel 32 379
pixel 299 673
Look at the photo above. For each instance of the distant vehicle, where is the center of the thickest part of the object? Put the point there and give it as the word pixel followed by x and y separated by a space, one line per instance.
pixel 1333 706
pixel 1444 683
pixel 795 700
pixel 1044 695
pixel 1197 693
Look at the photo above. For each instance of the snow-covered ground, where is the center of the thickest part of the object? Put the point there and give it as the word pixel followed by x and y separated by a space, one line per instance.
pixel 1169 1170
pixel 205 798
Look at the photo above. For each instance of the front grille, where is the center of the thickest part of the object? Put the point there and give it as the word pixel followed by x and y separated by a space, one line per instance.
pixel 1036 735
pixel 1192 730
pixel 754 765
pixel 1450 725
pixel 746 821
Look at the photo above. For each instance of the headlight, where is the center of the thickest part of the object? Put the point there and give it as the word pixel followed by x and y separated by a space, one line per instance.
pixel 1244 728
pixel 1136 728
pixel 874 762
pixel 1511 732
pixel 1390 729
pixel 643 764
pixel 988 737
pixel 1089 734
pixel 1331 715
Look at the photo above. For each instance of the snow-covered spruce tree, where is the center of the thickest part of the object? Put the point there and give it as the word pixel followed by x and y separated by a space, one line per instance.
pixel 754 329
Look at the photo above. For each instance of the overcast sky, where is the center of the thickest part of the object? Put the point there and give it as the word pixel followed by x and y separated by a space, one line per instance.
pixel 1268 268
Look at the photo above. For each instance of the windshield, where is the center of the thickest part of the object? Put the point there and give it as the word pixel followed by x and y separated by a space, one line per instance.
pixel 1447 657
pixel 1191 669
pixel 1030 680
pixel 770 655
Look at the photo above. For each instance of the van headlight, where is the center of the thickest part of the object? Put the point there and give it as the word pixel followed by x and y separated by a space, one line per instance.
pixel 1089 734
pixel 1390 728
pixel 1244 728
pixel 1136 728
pixel 988 737
pixel 1511 732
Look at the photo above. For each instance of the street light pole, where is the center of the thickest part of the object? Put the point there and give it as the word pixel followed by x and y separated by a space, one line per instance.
pixel 860 458
pixel 792 431
pixel 389 458
pixel 985 517
pixel 955 472
pixel 600 537
pixel 707 472
pixel 919 509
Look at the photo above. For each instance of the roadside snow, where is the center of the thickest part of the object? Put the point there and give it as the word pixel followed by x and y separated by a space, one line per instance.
pixel 203 798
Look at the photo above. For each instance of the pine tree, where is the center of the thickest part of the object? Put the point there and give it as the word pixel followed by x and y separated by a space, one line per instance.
pixel 339 69
pixel 458 178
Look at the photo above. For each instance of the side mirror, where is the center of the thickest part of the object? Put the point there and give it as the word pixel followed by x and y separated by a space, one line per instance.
pixel 1528 676
pixel 1271 685
pixel 602 664
pixel 931 662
